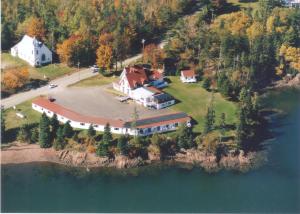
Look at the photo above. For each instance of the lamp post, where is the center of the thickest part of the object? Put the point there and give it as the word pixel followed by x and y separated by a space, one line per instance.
pixel 78 64
pixel 143 42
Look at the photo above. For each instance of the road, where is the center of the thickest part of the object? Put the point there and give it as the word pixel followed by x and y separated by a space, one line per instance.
pixel 63 82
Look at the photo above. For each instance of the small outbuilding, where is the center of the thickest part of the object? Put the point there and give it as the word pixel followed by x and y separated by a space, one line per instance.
pixel 188 76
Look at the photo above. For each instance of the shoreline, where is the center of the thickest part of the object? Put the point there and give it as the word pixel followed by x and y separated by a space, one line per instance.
pixel 20 153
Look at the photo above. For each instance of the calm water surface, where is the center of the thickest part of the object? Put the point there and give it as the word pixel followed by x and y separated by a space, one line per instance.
pixel 275 187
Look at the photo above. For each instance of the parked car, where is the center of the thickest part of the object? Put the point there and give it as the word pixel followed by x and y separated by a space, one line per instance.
pixel 95 68
pixel 52 86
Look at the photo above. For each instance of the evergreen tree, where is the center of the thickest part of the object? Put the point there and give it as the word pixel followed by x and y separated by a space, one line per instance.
pixel 206 83
pixel 34 138
pixel 185 137
pixel 68 130
pixel 222 124
pixel 44 132
pixel 91 131
pixel 209 119
pixel 241 129
pixel 2 126
pixel 59 142
pixel 102 149
pixel 24 134
pixel 107 136
pixel 54 125
pixel 122 145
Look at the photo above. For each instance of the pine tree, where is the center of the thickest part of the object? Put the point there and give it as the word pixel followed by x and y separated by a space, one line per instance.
pixel 54 125
pixel 107 136
pixel 122 145
pixel 206 83
pixel 185 137
pixel 241 129
pixel 102 149
pixel 44 132
pixel 68 130
pixel 59 142
pixel 2 126
pixel 24 134
pixel 91 131
pixel 209 119
pixel 222 123
pixel 34 135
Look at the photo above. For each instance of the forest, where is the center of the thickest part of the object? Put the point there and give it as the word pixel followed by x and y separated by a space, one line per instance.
pixel 76 29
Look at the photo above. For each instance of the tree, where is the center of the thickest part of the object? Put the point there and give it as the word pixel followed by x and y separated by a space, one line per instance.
pixel 222 123
pixel 241 129
pixel 15 78
pixel 122 145
pixel 206 83
pixel 59 142
pixel 102 149
pixel 24 134
pixel 153 54
pixel 91 131
pixel 107 136
pixel 68 130
pixel 185 137
pixel 105 51
pixel 54 125
pixel 2 126
pixel 35 28
pixel 44 132
pixel 135 117
pixel 34 138
pixel 209 117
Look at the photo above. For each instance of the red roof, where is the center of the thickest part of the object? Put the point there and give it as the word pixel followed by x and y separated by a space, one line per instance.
pixel 188 73
pixel 74 116
pixel 156 75
pixel 135 76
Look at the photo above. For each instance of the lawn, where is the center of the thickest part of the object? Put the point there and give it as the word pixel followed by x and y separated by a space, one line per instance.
pixel 13 122
pixel 51 71
pixel 193 100
pixel 98 80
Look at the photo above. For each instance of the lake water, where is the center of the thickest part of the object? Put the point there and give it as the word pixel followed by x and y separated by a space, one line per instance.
pixel 275 187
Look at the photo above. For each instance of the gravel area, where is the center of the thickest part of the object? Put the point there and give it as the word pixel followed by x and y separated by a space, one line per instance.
pixel 97 101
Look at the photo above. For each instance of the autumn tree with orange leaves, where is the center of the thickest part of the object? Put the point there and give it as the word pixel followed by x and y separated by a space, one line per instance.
pixel 33 27
pixel 15 78
pixel 153 54
pixel 105 51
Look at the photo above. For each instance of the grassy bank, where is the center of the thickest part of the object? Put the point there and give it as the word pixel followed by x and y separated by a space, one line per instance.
pixel 51 71
pixel 98 80
pixel 193 100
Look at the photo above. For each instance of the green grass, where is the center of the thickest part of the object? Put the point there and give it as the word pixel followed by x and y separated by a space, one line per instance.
pixel 13 122
pixel 51 71
pixel 98 80
pixel 193 100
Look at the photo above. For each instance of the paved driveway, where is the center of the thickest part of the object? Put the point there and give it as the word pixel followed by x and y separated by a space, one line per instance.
pixel 96 101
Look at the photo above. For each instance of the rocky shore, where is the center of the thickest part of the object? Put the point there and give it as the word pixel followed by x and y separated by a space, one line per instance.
pixel 26 153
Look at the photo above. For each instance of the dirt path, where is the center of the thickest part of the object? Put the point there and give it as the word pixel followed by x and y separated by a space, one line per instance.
pixel 26 153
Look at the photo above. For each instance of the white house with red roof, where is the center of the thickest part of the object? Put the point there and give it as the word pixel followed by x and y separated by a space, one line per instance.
pixel 142 86
pixel 188 76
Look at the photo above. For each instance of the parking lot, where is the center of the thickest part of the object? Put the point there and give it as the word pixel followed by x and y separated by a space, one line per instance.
pixel 97 101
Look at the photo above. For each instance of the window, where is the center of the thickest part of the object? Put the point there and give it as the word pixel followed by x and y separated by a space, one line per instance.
pixel 49 112
pixel 37 52
pixel 82 124
pixel 95 126
pixel 149 130
pixel 158 128
pixel 176 124
pixel 116 128
pixel 43 57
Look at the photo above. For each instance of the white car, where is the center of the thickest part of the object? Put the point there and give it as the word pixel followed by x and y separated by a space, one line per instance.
pixel 95 68
pixel 52 85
